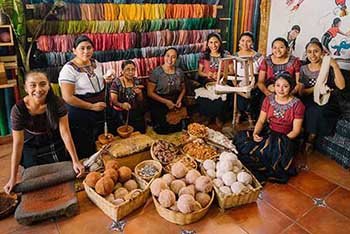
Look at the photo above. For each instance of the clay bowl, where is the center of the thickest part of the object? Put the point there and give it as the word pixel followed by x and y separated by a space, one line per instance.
pixel 125 131
pixel 105 139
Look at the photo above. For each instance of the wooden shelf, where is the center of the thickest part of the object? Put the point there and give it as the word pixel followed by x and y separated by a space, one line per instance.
pixel 10 61
pixel 10 84
pixel 7 28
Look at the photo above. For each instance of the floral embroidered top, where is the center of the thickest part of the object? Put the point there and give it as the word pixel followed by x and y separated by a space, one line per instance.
pixel 125 94
pixel 281 116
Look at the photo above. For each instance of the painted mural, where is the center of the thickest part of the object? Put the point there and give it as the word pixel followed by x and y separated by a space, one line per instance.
pixel 301 20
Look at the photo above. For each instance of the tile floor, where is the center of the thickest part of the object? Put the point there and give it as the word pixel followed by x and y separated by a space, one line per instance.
pixel 316 201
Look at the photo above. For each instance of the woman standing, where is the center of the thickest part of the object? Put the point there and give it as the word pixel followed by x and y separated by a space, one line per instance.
pixel 279 61
pixel 166 89
pixel 208 68
pixel 82 86
pixel 126 96
pixel 320 120
pixel 269 151
pixel 248 106
pixel 40 129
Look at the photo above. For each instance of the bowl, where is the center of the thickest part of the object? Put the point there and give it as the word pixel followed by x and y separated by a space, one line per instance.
pixel 125 131
pixel 144 166
pixel 8 204
pixel 105 139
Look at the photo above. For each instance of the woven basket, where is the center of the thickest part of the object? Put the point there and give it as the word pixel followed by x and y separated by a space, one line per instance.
pixel 180 218
pixel 155 158
pixel 232 200
pixel 118 212
pixel 155 163
pixel 189 163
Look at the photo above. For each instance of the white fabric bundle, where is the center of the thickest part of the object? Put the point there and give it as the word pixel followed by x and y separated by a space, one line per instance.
pixel 321 90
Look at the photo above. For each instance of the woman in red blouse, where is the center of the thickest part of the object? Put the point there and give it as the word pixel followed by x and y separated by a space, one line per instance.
pixel 269 151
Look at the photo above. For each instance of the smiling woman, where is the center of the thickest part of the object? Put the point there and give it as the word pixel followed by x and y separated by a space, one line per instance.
pixel 40 129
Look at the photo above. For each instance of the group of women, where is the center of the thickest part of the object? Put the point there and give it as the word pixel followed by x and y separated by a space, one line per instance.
pixel 45 127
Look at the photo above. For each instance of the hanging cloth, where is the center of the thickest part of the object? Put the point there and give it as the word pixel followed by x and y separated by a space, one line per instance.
pixel 321 90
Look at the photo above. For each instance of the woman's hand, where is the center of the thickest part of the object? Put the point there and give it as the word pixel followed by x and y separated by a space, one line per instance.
pixel 178 104
pixel 9 186
pixel 126 106
pixel 170 105
pixel 78 168
pixel 137 90
pixel 256 137
pixel 98 106
pixel 333 63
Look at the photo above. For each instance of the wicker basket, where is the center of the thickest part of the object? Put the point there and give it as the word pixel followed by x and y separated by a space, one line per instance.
pixel 180 218
pixel 155 158
pixel 189 163
pixel 118 212
pixel 155 163
pixel 232 200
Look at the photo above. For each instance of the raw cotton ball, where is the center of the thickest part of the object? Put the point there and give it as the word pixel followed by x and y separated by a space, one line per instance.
pixel 124 174
pixel 219 174
pixel 225 190
pixel 111 173
pixel 130 185
pixel 244 177
pixel 191 176
pixel 185 203
pixel 174 207
pixel 112 164
pixel 236 169
pixel 218 182
pixel 237 187
pixel 203 199
pixel 227 156
pixel 178 170
pixel 120 193
pixel 110 198
pixel 104 186
pixel 225 166
pixel 250 187
pixel 211 173
pixel 92 178
pixel 204 184
pixel 197 206
pixel 133 194
pixel 166 198
pixel 176 185
pixel 209 164
pixel 237 163
pixel 168 178
pixel 157 186
pixel 117 185
pixel 228 178
pixel 188 190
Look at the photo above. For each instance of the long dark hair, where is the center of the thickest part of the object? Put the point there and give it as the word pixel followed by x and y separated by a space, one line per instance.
pixel 52 102
pixel 80 39
pixel 221 48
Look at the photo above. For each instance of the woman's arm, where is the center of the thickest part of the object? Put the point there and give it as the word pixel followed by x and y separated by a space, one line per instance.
pixel 298 86
pixel 123 105
pixel 297 124
pixel 259 126
pixel 305 91
pixel 16 156
pixel 68 96
pixel 201 71
pixel 338 76
pixel 68 142
pixel 261 83
pixel 181 96
pixel 151 87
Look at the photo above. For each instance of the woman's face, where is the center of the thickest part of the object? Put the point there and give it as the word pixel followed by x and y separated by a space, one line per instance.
pixel 84 51
pixel 214 44
pixel 282 87
pixel 246 43
pixel 279 50
pixel 314 53
pixel 293 34
pixel 170 58
pixel 37 86
pixel 129 71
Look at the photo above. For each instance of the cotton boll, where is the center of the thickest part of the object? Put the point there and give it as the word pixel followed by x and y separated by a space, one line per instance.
pixel 157 186
pixel 166 198
pixel 178 170
pixel 225 190
pixel 244 177
pixel 237 163
pixel 228 178
pixel 176 185
pixel 237 187
pixel 236 169
pixel 188 190
pixel 218 182
pixel 225 166
pixel 185 203
pixel 211 173
pixel 203 199
pixel 250 187
pixel 168 178
pixel 120 193
pixel 196 206
pixel 191 176
pixel 130 185
pixel 219 174
pixel 204 184
pixel 227 156
pixel 174 207
pixel 209 164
